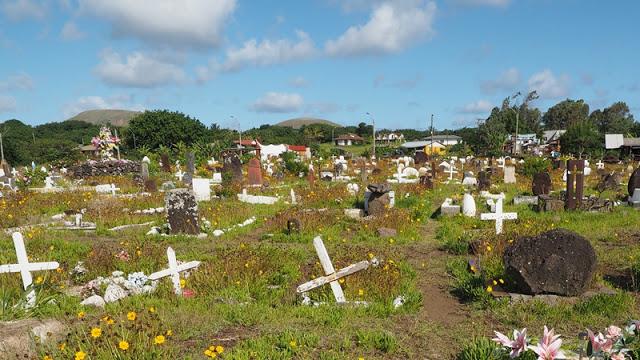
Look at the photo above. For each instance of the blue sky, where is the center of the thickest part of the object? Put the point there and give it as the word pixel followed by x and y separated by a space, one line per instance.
pixel 263 61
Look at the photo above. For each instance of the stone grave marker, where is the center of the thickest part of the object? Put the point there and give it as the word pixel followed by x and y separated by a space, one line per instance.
pixel 484 181
pixel 182 211
pixel 634 182
pixel 331 275
pixel 150 185
pixel 293 226
pixel 469 179
pixel 174 270
pixel 447 208
pixel 377 199
pixel 575 184
pixel 541 184
pixel 231 164
pixel 24 267
pixel 166 163
pixel 217 178
pixel 557 262
pixel 499 216
pixel 634 200
pixel 254 173
pixel 144 171
pixel 509 175
pixel 201 189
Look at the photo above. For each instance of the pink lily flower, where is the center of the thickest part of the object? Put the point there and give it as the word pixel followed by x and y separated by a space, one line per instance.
pixel 619 356
pixel 613 332
pixel 549 346
pixel 599 343
pixel 518 345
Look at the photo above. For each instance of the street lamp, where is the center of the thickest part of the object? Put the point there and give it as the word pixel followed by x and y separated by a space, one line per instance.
pixel 515 141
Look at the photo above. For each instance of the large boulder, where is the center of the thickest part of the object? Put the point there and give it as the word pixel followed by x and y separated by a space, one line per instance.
pixel 554 262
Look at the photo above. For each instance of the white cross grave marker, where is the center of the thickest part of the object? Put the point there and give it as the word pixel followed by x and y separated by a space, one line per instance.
pixel 14 172
pixel 24 267
pixel 294 201
pixel 451 171
pixel 174 270
pixel 180 174
pixel 600 165
pixel 332 276
pixel 499 216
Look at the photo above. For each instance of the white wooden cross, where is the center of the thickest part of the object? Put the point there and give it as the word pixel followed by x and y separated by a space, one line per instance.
pixel 498 216
pixel 174 270
pixel 332 276
pixel 451 171
pixel 180 175
pixel 14 172
pixel 24 267
pixel 113 189
pixel 600 165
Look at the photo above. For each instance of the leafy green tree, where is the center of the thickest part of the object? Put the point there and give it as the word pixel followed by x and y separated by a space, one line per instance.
pixel 164 127
pixel 615 119
pixel 581 138
pixel 493 133
pixel 565 113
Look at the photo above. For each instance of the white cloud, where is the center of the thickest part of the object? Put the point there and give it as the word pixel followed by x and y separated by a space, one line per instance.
pixel 495 3
pixel 507 81
pixel 7 103
pixel 20 81
pixel 298 82
pixel 137 70
pixel 70 32
pixel 269 52
pixel 120 102
pixel 392 27
pixel 274 102
pixel 23 9
pixel 185 23
pixel 477 107
pixel 548 85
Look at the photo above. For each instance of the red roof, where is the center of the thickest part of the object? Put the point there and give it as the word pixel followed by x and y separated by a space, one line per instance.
pixel 349 137
pixel 247 142
pixel 298 148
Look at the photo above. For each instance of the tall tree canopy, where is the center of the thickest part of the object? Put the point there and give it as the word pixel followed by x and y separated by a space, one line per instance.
pixel 615 119
pixel 565 113
pixel 153 129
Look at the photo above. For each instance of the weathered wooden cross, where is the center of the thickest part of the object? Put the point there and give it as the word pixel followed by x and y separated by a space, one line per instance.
pixel 451 171
pixel 174 270
pixel 498 216
pixel 24 267
pixel 180 175
pixel 332 276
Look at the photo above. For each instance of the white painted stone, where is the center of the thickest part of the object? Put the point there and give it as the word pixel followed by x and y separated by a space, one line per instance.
pixel 468 205
pixel 94 300
pixel 114 293
pixel 106 189
pixel 217 178
pixel 509 175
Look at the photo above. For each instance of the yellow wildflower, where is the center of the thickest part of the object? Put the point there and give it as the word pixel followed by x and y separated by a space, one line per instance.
pixel 81 315
pixel 96 332
pixel 80 355
pixel 123 345
pixel 131 315
pixel 158 340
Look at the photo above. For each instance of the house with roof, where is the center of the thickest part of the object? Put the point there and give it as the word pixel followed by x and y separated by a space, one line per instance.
pixel 428 147
pixel 348 140
pixel 389 138
pixel 628 146
pixel 303 151
pixel 446 140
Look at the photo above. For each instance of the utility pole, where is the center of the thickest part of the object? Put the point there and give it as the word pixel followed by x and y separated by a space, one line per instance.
pixel 373 121
pixel 431 154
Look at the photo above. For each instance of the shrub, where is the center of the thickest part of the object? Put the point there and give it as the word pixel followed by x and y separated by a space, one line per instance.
pixel 534 165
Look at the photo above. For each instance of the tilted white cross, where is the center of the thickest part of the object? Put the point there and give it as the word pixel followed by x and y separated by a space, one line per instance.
pixel 113 189
pixel 332 276
pixel 24 267
pixel 174 270
pixel 499 216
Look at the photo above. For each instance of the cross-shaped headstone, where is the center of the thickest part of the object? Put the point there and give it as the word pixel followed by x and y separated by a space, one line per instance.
pixel 498 216
pixel 24 267
pixel 174 270
pixel 599 165
pixel 451 171
pixel 79 219
pixel 332 276
pixel 14 172
pixel 113 189
pixel 180 175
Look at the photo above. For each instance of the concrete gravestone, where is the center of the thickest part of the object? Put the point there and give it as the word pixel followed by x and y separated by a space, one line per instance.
pixel 233 166
pixel 468 205
pixel 255 172
pixel 191 168
pixel 509 175
pixel 575 189
pixel 541 184
pixel 182 211
pixel 166 163
pixel 634 182
pixel 144 171
pixel 201 189
pixel 558 262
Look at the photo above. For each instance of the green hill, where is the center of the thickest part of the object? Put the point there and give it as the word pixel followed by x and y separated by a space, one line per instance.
pixel 99 117
pixel 297 123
